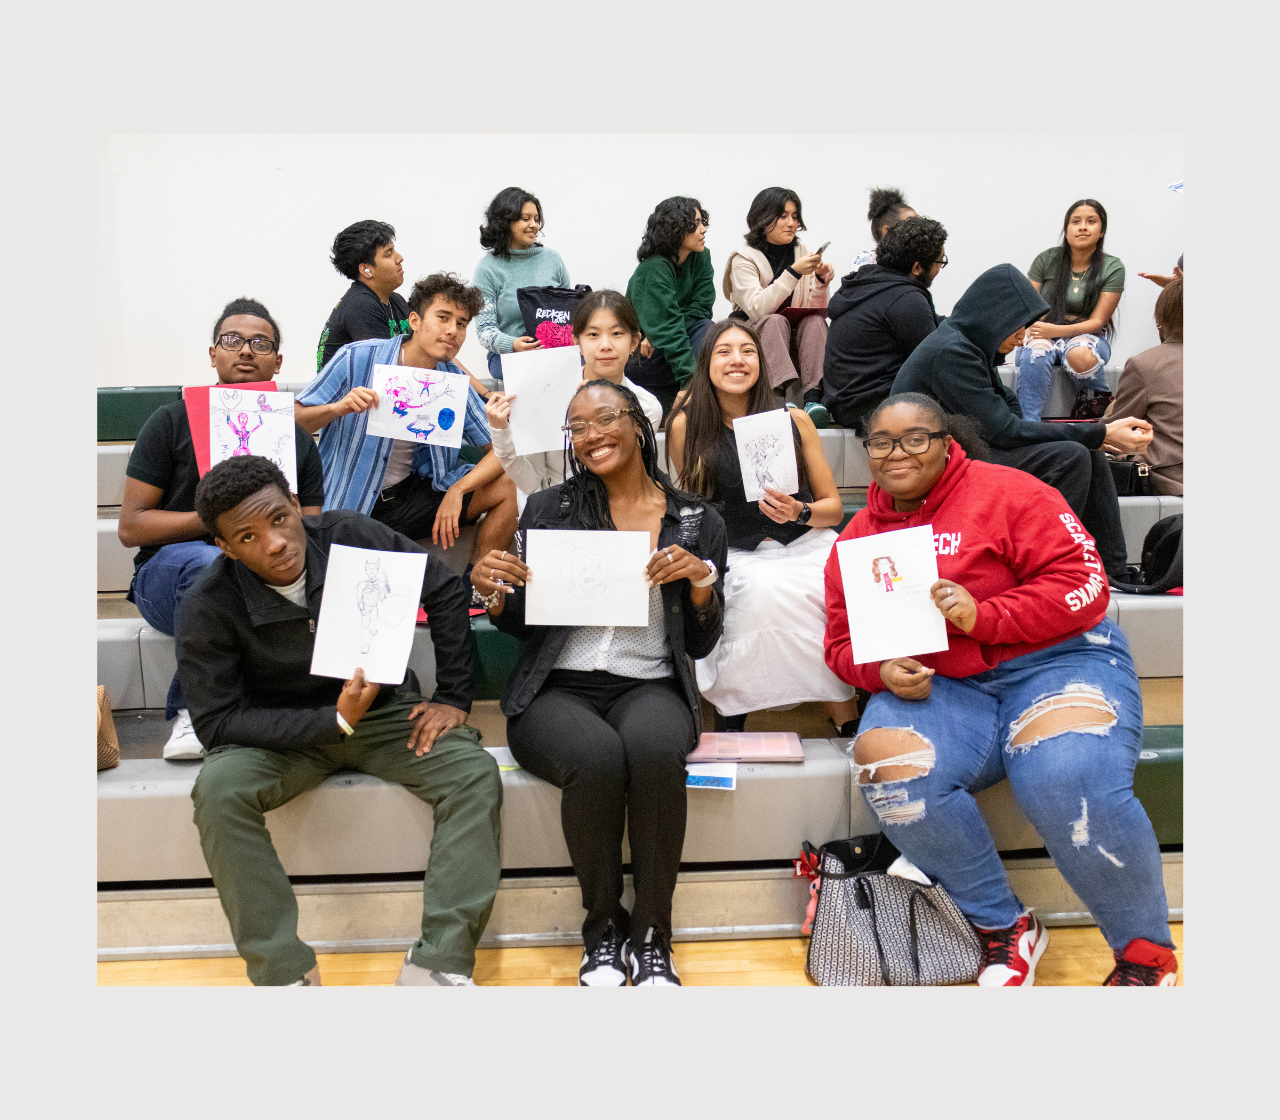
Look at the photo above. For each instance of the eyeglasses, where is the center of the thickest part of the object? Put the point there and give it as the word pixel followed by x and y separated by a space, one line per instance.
pixel 913 443
pixel 257 344
pixel 603 423
pixel 942 263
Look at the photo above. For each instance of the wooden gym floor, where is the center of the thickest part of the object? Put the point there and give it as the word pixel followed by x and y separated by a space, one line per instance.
pixel 1076 956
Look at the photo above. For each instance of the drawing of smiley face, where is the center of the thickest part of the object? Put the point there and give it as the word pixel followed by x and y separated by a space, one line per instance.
pixel 587 573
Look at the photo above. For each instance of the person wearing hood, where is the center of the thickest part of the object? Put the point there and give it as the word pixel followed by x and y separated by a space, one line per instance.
pixel 955 366
pixel 1035 684
pixel 881 313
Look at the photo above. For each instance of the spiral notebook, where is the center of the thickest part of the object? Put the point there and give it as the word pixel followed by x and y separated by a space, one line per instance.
pixel 748 746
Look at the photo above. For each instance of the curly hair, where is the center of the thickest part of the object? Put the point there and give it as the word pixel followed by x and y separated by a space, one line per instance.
pixel 766 208
pixel 453 288
pixel 915 240
pixel 358 244
pixel 506 207
pixel 245 306
pixel 231 482
pixel 887 204
pixel 963 429
pixel 672 220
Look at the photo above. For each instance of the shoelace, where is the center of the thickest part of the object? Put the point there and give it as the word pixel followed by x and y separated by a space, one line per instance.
pixel 999 946
pixel 654 956
pixel 602 955
pixel 1128 974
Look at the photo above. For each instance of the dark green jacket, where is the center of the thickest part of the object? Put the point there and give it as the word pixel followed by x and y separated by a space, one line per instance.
pixel 667 299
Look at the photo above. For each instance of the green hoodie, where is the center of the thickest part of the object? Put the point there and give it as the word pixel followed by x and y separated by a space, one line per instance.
pixel 667 300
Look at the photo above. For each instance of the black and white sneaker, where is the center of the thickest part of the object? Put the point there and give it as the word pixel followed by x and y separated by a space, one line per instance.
pixel 604 966
pixel 650 962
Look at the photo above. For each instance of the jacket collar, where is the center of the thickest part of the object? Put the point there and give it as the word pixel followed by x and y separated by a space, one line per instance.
pixel 880 504
pixel 266 606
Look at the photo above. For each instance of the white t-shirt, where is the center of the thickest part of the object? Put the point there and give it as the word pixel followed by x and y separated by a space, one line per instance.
pixel 400 463
pixel 295 592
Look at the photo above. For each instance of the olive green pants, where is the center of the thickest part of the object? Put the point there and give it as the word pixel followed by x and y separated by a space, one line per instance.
pixel 237 786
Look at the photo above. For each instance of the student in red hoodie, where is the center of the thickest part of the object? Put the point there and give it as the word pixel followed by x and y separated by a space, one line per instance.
pixel 1036 686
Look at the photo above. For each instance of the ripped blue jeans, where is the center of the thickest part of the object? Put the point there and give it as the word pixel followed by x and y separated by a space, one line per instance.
pixel 1036 364
pixel 1075 786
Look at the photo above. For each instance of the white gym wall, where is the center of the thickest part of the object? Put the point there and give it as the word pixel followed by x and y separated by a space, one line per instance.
pixel 188 222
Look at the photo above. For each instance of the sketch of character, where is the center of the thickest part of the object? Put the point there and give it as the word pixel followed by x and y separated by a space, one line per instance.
pixel 586 572
pixel 762 454
pixel 243 432
pixel 230 398
pixel 370 591
pixel 421 393
pixel 888 573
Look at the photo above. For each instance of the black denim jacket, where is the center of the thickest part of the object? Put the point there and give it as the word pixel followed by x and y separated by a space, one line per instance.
pixel 692 633
pixel 244 651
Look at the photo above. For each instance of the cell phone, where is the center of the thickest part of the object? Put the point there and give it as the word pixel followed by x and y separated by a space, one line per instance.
pixel 823 248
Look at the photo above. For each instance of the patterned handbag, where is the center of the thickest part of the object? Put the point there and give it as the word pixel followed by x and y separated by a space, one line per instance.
pixel 871 928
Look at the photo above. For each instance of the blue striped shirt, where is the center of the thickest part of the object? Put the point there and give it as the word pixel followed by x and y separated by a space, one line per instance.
pixel 354 462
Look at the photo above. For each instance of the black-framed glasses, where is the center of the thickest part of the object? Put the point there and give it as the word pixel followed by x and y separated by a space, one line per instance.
pixel 603 423
pixel 257 344
pixel 913 443
pixel 942 263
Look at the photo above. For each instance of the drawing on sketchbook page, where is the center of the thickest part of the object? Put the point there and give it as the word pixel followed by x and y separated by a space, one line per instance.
pixel 414 390
pixel 585 570
pixel 888 573
pixel 764 454
pixel 253 424
pixel 377 604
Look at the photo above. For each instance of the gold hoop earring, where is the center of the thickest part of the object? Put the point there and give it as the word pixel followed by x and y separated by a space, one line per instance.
pixel 640 438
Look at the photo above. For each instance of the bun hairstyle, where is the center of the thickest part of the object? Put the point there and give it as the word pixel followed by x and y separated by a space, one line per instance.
pixel 962 429
pixel 887 205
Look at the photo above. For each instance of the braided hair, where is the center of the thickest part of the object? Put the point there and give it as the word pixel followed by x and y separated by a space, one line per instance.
pixel 584 496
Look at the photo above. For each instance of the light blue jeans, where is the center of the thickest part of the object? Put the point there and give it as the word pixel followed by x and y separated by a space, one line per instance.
pixel 1075 786
pixel 158 588
pixel 1036 365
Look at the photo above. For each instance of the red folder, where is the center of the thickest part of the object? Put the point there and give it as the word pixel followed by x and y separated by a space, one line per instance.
pixel 795 314
pixel 748 746
pixel 196 398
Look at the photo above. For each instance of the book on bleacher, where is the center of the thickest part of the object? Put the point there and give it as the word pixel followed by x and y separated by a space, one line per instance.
pixel 748 746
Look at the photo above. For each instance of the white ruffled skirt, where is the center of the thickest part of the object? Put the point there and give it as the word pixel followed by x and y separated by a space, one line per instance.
pixel 775 615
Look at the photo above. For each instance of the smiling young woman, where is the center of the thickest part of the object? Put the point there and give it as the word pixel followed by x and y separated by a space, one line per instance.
pixel 1082 286
pixel 770 655
pixel 608 714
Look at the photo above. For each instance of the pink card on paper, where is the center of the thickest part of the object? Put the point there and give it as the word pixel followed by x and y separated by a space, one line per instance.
pixel 748 746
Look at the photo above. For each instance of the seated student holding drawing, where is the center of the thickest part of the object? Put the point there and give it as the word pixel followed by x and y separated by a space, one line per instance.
pixel 274 730
pixel 607 331
pixel 608 713
pixel 418 489
pixel 770 654
pixel 158 514
pixel 1035 685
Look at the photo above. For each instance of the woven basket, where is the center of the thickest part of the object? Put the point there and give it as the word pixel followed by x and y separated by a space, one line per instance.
pixel 108 744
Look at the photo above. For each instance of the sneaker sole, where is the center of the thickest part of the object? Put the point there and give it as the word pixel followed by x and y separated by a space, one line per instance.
pixel 1036 954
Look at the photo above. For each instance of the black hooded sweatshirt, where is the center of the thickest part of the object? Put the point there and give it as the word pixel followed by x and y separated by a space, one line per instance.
pixel 955 365
pixel 878 317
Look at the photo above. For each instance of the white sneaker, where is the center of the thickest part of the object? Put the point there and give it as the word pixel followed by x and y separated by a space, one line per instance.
pixel 650 962
pixel 310 980
pixel 182 739
pixel 414 975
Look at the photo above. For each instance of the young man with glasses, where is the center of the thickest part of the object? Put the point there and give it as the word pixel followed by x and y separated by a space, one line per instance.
pixel 420 490
pixel 158 514
pixel 881 313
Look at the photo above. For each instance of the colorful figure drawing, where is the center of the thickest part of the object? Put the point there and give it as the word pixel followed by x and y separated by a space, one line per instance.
pixel 419 392
pixel 262 403
pixel 889 573
pixel 243 432
pixel 370 591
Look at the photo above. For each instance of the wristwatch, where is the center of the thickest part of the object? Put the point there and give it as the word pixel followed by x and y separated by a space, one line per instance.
pixel 709 580
pixel 805 514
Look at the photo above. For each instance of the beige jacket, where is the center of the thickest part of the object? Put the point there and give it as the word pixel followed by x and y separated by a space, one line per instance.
pixel 750 287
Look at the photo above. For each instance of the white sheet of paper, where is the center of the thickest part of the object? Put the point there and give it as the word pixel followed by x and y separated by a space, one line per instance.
pixel 420 405
pixel 584 578
pixel 367 613
pixel 711 775
pixel 543 382
pixel 253 423
pixel 766 452
pixel 887 578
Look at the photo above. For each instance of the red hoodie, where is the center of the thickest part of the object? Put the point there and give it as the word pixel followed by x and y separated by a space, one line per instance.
pixel 1009 540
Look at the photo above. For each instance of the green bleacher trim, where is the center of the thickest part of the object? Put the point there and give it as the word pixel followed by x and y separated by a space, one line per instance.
pixel 1157 782
pixel 122 410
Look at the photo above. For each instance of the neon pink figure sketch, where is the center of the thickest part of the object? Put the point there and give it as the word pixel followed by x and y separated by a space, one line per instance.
pixel 243 432
pixel 419 391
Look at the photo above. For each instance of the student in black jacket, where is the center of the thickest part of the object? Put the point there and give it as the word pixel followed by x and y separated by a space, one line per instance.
pixel 881 313
pixel 956 366
pixel 606 713
pixel 272 730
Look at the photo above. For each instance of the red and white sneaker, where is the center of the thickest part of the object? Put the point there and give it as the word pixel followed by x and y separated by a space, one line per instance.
pixel 1009 956
pixel 1143 964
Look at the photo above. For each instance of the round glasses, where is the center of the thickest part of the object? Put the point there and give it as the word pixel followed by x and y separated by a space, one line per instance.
pixel 257 344
pixel 913 443
pixel 603 423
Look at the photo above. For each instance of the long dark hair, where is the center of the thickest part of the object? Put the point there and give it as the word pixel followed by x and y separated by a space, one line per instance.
pixel 505 208
pixel 962 429
pixel 766 208
pixel 704 419
pixel 672 220
pixel 1062 269
pixel 584 496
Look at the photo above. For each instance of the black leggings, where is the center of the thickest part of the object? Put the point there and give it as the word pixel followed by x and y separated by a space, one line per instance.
pixel 616 748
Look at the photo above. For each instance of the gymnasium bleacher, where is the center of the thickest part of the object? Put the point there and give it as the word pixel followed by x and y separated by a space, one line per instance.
pixel 355 844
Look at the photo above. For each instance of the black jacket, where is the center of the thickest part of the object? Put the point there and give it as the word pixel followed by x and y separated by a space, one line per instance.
pixel 244 650
pixel 699 529
pixel 878 317
pixel 956 364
